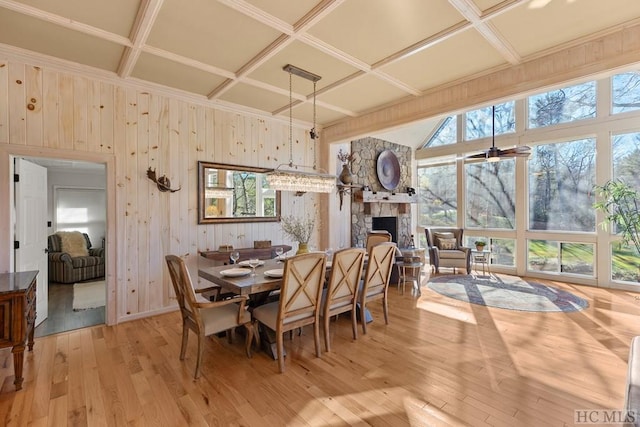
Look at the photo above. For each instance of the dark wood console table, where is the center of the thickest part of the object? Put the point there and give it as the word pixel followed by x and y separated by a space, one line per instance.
pixel 17 316
pixel 246 253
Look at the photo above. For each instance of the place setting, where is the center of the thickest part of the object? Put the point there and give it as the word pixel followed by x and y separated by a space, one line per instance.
pixel 276 273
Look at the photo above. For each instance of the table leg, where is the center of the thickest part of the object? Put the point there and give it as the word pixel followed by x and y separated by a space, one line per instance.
pixel 268 341
pixel 18 360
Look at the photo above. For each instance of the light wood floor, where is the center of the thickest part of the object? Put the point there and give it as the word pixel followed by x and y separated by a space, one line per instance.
pixel 438 362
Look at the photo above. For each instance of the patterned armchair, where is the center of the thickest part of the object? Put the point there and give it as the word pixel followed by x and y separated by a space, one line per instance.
pixel 63 268
pixel 446 250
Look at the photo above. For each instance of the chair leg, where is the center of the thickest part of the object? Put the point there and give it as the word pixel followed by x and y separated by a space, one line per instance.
pixel 280 351
pixel 316 338
pixel 327 345
pixel 255 327
pixel 229 334
pixel 185 338
pixel 354 324
pixel 199 355
pixel 363 317
pixel 247 344
pixel 385 309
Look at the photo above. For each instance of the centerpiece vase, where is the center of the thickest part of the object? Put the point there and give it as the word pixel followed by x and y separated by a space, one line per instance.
pixel 345 176
pixel 303 248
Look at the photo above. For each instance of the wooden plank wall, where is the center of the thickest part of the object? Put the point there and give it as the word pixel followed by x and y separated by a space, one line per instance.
pixel 50 110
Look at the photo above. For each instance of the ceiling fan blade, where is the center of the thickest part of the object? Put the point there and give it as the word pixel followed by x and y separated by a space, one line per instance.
pixel 515 155
pixel 516 151
pixel 520 149
pixel 477 156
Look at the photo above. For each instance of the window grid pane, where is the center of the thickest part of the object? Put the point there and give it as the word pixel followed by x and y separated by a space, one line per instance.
pixel 563 105
pixel 479 123
pixel 561 179
pixel 438 196
pixel 625 92
pixel 491 195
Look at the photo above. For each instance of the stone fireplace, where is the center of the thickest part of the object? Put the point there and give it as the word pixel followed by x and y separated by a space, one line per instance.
pixel 366 152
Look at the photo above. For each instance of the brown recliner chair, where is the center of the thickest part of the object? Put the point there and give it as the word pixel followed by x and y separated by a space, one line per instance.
pixel 446 249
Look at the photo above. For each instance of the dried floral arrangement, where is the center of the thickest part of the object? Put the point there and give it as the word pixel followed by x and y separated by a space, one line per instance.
pixel 345 157
pixel 299 229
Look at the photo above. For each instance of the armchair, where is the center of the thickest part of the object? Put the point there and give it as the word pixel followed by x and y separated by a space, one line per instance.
pixel 446 249
pixel 65 268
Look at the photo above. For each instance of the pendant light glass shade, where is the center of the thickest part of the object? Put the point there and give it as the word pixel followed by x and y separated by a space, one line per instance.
pixel 301 182
pixel 293 180
pixel 218 193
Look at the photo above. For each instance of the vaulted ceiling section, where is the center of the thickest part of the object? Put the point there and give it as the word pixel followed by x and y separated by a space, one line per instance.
pixel 383 63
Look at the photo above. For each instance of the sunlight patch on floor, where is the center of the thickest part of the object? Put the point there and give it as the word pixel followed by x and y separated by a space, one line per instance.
pixel 423 414
pixel 452 312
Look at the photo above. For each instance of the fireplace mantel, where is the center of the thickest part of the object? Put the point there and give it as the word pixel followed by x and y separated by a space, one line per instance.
pixel 384 197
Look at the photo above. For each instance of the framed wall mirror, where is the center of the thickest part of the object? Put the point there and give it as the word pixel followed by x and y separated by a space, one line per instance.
pixel 231 193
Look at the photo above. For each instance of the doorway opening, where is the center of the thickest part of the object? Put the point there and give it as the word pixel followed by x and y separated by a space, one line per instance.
pixel 76 201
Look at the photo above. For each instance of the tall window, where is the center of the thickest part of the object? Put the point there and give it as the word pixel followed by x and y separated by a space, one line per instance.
pixel 561 178
pixel 626 164
pixel 560 225
pixel 479 123
pixel 491 194
pixel 438 195
pixel 563 105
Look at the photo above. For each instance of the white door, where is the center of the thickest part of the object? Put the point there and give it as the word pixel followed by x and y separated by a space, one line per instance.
pixel 31 229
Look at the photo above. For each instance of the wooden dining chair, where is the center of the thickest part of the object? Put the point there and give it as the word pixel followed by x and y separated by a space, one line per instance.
pixel 299 303
pixel 206 318
pixel 376 280
pixel 341 293
pixel 375 237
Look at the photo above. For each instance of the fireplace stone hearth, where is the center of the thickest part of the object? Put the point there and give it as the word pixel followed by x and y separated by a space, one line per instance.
pixel 366 150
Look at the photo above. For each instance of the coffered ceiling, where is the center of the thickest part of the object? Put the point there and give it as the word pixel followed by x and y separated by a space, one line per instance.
pixel 369 53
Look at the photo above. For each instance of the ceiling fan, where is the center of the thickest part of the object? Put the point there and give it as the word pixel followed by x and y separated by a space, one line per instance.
pixel 494 154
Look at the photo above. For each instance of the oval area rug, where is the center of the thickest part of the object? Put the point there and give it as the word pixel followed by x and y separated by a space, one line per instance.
pixel 509 292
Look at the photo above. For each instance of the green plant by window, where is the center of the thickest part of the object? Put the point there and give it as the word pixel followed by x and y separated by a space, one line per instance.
pixel 619 202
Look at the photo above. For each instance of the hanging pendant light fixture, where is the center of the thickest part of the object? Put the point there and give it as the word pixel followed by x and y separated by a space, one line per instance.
pixel 292 179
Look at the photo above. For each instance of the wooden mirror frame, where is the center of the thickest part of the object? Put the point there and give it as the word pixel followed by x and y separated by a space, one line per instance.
pixel 203 167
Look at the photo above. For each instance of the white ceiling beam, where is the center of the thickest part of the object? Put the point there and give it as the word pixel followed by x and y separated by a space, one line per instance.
pixel 471 13
pixel 259 15
pixel 64 22
pixel 284 40
pixel 147 14
pixel 188 61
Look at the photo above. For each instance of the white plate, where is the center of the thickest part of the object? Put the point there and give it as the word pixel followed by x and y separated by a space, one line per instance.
pixel 235 272
pixel 277 273
pixel 246 263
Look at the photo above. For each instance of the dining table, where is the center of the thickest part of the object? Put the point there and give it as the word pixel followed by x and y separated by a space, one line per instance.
pixel 257 288
pixel 251 286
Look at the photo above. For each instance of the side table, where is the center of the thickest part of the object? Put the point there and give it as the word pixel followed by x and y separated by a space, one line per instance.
pixel 481 258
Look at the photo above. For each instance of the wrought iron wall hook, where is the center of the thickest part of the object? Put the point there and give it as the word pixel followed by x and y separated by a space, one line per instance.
pixel 163 183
